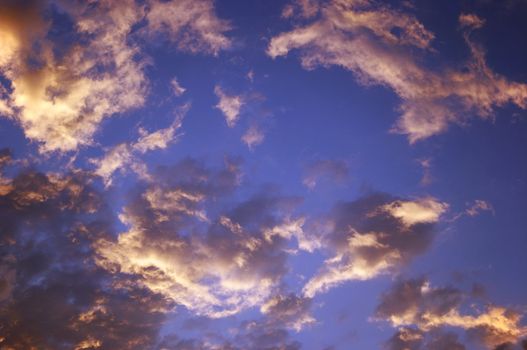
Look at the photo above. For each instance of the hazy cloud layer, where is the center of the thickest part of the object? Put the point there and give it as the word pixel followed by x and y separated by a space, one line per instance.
pixel 332 170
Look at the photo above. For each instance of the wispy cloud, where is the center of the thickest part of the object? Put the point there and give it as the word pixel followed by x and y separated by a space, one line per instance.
pixel 360 36
pixel 333 170
pixel 126 155
pixel 235 263
pixel 176 87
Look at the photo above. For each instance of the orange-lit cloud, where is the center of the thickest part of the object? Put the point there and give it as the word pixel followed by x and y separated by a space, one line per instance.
pixel 372 236
pixel 360 36
pixel 61 100
pixel 416 303
pixel 333 170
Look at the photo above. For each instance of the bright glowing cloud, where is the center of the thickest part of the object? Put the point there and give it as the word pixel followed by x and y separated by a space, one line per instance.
pixel 372 236
pixel 360 37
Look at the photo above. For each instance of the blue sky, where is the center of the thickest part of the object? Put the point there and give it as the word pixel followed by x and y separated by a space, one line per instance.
pixel 305 174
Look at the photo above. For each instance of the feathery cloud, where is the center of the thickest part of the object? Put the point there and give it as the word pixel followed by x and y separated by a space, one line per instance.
pixel 380 46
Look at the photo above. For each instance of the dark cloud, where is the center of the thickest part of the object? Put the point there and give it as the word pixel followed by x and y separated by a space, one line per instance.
pixel 405 339
pixel 430 309
pixel 290 311
pixel 416 296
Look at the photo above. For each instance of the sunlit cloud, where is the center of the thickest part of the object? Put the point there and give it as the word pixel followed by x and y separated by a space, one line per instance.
pixel 290 310
pixel 131 218
pixel 126 155
pixel 253 136
pixel 416 303
pixel 372 236
pixel 479 206
pixel 360 37
pixel 229 105
pixel 336 171
pixel 61 101
pixel 176 87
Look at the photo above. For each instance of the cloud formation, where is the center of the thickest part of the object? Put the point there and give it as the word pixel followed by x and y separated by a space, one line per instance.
pixel 214 266
pixel 333 170
pixel 52 295
pixel 415 303
pixel 374 235
pixel 61 93
pixel 384 46
pixel 229 105
pixel 68 282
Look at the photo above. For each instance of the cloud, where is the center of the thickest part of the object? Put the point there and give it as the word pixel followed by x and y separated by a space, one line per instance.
pixel 176 87
pixel 471 20
pixel 61 100
pixel 288 310
pixel 422 210
pixel 53 296
pixel 474 208
pixel 479 206
pixel 405 339
pixel 190 24
pixel 125 155
pixel 426 165
pixel 60 288
pixel 383 46
pixel 416 303
pixel 253 136
pixel 374 235
pixel 232 261
pixel 229 105
pixel 334 170
pixel 303 8
pixel 408 338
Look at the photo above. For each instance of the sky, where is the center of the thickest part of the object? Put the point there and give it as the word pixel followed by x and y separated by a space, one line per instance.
pixel 263 174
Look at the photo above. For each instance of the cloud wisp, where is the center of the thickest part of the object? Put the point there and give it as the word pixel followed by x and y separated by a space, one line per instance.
pixel 384 46
pixel 126 155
